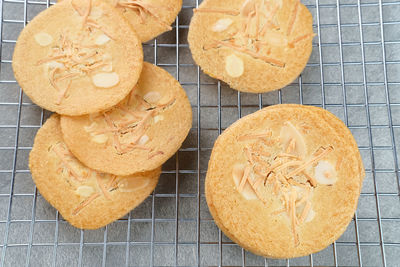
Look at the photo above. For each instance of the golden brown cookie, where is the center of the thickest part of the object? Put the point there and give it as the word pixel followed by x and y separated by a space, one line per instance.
pixel 85 198
pixel 284 181
pixel 86 60
pixel 140 133
pixel 149 18
pixel 253 45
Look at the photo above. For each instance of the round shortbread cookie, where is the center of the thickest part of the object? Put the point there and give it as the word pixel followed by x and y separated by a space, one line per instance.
pixel 140 133
pixel 85 198
pixel 149 18
pixel 252 45
pixel 86 60
pixel 284 181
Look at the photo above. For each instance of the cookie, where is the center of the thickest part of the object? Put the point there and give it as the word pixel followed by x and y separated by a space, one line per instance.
pixel 140 133
pixel 149 18
pixel 284 181
pixel 253 45
pixel 86 60
pixel 85 198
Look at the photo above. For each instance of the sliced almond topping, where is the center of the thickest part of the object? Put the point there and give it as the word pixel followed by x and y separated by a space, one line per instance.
pixel 107 68
pixel 91 127
pixel 102 39
pixel 234 66
pixel 132 184
pixel 100 138
pixel 55 64
pixel 325 173
pixel 84 191
pixel 310 216
pixel 237 175
pixel 288 133
pixel 221 25
pixel 143 140
pixel 152 97
pixel 43 39
pixel 105 80
pixel 158 118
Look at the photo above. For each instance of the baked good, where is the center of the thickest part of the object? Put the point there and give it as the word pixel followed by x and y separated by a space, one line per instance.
pixel 252 45
pixel 85 198
pixel 86 60
pixel 149 18
pixel 140 133
pixel 284 181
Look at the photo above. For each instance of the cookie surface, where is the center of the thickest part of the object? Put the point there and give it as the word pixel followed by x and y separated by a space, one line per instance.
pixel 140 133
pixel 85 198
pixel 284 181
pixel 252 45
pixel 149 18
pixel 86 60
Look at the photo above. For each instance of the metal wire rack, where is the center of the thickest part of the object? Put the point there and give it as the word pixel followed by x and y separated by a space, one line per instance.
pixel 354 72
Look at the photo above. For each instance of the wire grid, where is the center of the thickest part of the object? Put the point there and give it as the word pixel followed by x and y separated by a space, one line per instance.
pixel 354 72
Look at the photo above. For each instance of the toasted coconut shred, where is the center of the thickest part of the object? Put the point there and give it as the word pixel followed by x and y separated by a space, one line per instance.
pixel 78 55
pixel 127 123
pixel 278 169
pixel 257 30
pixel 77 175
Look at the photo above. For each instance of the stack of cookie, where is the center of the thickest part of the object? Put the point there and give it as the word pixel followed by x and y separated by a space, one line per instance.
pixel 119 118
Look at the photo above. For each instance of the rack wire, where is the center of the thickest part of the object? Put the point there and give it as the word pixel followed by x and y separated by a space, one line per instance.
pixel 354 72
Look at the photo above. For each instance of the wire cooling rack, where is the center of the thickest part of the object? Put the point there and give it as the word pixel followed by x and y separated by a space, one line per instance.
pixel 354 72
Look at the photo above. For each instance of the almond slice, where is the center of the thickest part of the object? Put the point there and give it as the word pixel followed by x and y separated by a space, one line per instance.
pixel 100 138
pixel 221 25
pixel 289 133
pixel 234 66
pixel 310 216
pixel 158 118
pixel 143 140
pixel 325 173
pixel 237 175
pixel 107 68
pixel 102 39
pixel 90 128
pixel 55 64
pixel 152 97
pixel 132 184
pixel 105 80
pixel 84 191
pixel 43 39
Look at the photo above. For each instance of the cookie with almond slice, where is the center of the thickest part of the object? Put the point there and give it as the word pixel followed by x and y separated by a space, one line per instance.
pixel 284 181
pixel 149 18
pixel 140 133
pixel 253 45
pixel 86 60
pixel 87 199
